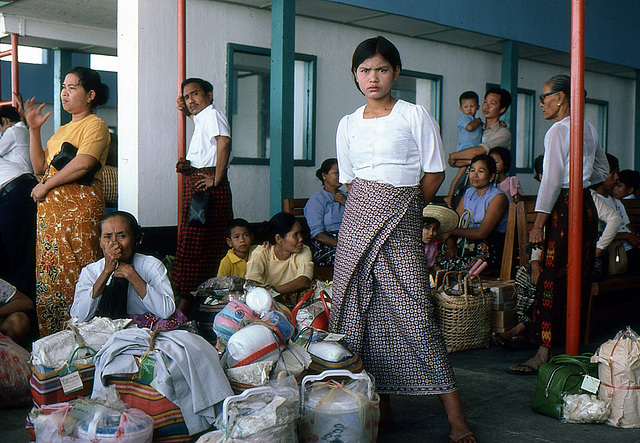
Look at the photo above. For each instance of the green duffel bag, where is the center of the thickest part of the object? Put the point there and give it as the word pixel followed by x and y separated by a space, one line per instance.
pixel 562 375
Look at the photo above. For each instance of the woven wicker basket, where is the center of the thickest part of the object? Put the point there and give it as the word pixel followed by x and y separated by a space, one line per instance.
pixel 464 316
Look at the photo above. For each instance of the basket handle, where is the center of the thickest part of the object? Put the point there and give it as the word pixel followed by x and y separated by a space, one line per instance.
pixel 468 278
pixel 297 307
pixel 445 280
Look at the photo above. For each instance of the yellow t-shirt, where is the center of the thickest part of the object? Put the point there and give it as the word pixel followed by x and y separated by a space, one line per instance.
pixel 265 268
pixel 231 264
pixel 90 135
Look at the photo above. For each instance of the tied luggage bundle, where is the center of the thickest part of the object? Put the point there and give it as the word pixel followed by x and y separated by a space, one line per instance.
pixel 89 421
pixel 328 351
pixel 265 414
pixel 339 411
pixel 462 311
pixel 562 375
pixel 213 295
pixel 619 370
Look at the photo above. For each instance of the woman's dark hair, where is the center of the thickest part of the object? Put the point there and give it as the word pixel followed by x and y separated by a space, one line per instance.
pixel 562 83
pixel 489 161
pixel 504 154
pixel 90 81
pixel 10 113
pixel 371 47
pixel 325 167
pixel 132 223
pixel 280 224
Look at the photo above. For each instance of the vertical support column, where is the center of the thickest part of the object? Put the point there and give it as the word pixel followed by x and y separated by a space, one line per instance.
pixel 15 80
pixel 182 73
pixel 281 108
pixel 509 82
pixel 574 271
pixel 636 150
pixel 61 64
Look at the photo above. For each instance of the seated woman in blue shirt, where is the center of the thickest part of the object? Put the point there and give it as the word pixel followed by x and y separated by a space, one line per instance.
pixel 324 212
pixel 483 221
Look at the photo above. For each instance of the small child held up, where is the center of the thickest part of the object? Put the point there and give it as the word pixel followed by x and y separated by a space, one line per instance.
pixel 239 239
pixel 510 185
pixel 469 132
pixel 436 220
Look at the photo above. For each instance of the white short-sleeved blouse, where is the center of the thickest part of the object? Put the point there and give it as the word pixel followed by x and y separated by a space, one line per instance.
pixel 395 149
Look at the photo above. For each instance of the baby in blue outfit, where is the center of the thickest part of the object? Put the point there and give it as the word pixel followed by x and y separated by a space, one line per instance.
pixel 469 132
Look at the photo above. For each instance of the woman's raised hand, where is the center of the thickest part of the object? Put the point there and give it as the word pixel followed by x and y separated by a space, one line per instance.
pixel 112 254
pixel 34 116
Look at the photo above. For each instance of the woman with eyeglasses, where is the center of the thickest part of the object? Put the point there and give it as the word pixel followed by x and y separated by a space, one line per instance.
pixel 552 220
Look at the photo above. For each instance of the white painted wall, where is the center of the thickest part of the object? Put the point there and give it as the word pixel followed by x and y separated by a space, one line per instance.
pixel 147 90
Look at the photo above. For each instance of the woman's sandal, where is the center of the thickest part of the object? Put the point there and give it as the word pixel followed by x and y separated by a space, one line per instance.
pixel 460 438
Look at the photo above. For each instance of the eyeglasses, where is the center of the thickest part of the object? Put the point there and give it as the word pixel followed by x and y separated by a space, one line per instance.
pixel 543 96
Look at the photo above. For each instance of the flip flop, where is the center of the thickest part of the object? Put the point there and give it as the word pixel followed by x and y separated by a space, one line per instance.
pixel 530 370
pixel 462 437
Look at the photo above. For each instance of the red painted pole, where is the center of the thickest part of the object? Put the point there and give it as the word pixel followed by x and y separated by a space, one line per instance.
pixel 15 81
pixel 574 274
pixel 182 75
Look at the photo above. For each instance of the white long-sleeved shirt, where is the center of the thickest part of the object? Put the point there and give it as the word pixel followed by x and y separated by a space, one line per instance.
pixel 595 167
pixel 159 299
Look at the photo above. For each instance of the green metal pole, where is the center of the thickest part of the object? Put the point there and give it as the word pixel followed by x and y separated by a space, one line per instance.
pixel 281 102
pixel 509 82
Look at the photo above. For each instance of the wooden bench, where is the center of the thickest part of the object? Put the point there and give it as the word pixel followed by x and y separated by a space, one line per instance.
pixel 295 206
pixel 610 286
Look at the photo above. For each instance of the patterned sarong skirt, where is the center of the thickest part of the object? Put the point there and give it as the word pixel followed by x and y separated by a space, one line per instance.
pixel 67 240
pixel 381 291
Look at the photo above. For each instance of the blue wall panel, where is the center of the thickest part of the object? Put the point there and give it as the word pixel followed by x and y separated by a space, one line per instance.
pixel 611 26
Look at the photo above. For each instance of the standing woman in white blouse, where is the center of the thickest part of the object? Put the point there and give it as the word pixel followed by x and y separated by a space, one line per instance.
pixel 550 230
pixel 390 156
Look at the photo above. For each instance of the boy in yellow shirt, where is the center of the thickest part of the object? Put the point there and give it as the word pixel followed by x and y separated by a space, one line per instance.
pixel 239 238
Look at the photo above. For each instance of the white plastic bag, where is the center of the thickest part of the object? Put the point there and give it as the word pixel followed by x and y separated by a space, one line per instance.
pixel 91 421
pixel 584 408
pixel 259 415
pixel 14 374
pixel 339 412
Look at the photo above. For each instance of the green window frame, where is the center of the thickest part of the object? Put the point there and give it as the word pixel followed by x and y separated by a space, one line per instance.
pixel 420 88
pixel 248 99
pixel 596 112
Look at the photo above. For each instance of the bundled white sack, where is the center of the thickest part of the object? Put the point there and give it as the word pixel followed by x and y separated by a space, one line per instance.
pixel 619 372
pixel 53 351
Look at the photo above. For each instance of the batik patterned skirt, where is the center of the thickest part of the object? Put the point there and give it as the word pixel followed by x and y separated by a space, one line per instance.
pixel 381 291
pixel 200 248
pixel 67 241
pixel 550 312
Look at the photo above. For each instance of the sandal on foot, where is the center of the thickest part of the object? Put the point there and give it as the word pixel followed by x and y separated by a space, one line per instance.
pixel 462 437
pixel 528 370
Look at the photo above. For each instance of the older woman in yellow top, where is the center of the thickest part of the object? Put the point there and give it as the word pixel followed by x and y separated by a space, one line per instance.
pixel 68 212
pixel 285 263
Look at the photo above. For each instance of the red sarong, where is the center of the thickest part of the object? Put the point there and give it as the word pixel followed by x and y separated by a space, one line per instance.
pixel 200 248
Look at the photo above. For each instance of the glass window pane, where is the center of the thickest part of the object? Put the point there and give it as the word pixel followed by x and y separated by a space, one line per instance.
pixel 249 117
pixel 596 113
pixel 524 133
pixel 413 88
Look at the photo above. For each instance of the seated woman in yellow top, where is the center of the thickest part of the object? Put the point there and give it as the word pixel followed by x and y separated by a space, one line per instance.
pixel 284 263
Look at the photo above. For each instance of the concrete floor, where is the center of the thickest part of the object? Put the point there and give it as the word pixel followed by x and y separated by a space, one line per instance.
pixel 497 404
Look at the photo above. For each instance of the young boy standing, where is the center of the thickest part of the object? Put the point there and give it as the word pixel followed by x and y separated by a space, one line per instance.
pixel 239 238
pixel 469 132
